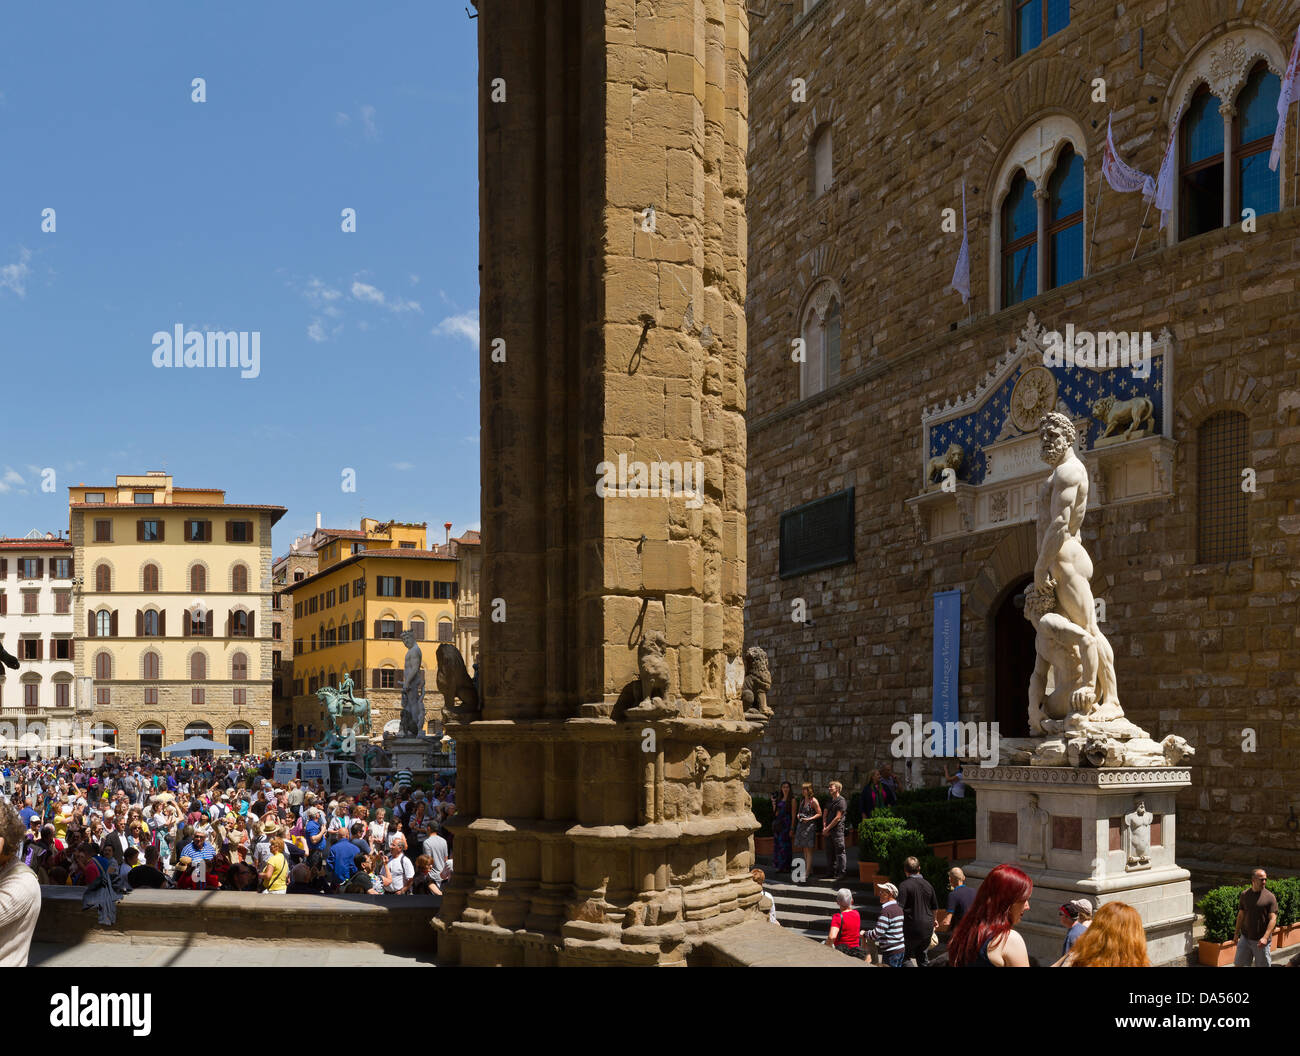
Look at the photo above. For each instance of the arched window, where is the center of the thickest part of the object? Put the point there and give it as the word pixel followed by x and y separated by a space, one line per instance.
pixel 1065 220
pixel 1221 506
pixel 1201 162
pixel 240 738
pixel 151 579
pixel 1019 243
pixel 239 667
pixel 198 579
pixel 104 624
pixel 151 666
pixel 198 667
pixel 823 172
pixel 103 579
pixel 1252 139
pixel 149 623
pixel 239 579
pixel 199 729
pixel 240 624
pixel 445 631
pixel 103 666
pixel 821 334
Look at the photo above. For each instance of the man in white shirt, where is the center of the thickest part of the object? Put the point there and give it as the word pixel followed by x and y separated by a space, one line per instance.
pixel 20 893
pixel 399 873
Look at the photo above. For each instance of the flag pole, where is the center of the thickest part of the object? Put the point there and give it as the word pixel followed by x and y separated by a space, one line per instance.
pixel 1095 210
pixel 1141 227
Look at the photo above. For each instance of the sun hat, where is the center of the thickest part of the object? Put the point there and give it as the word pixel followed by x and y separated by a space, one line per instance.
pixel 893 891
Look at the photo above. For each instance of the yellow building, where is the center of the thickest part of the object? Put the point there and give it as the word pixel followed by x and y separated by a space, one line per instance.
pixel 370 586
pixel 174 588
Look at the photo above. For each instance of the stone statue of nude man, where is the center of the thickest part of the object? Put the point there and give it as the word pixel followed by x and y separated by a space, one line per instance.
pixel 1063 563
pixel 1065 665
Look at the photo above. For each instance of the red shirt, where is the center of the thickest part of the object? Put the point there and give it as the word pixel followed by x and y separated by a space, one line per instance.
pixel 850 925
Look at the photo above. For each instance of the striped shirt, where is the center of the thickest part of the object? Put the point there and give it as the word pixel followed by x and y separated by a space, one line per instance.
pixel 888 932
pixel 402 778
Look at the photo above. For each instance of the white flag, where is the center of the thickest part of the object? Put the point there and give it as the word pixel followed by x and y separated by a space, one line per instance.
pixel 1123 177
pixel 961 273
pixel 1164 197
pixel 1284 99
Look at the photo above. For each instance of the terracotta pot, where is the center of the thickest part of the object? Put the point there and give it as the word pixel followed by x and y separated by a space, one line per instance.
pixel 764 845
pixel 1290 935
pixel 867 871
pixel 1215 954
pixel 964 849
pixel 943 849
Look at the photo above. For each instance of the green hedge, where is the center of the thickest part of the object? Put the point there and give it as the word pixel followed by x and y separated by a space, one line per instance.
pixel 935 870
pixel 946 819
pixel 922 795
pixel 903 844
pixel 1287 892
pixel 763 812
pixel 1220 908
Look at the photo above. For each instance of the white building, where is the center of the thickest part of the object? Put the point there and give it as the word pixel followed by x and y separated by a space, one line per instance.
pixel 38 701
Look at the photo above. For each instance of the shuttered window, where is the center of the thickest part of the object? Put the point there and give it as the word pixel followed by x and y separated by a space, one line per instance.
pixel 817 535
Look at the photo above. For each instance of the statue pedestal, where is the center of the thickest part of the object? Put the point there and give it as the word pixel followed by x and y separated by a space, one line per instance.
pixel 1074 842
pixel 416 754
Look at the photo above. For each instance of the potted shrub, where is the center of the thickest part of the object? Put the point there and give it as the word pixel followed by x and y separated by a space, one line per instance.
pixel 1219 906
pixel 874 834
pixel 1287 892
pixel 764 844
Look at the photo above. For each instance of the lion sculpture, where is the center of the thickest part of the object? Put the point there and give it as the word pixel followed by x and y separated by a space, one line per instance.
pixel 758 680
pixel 950 459
pixel 1114 414
pixel 455 683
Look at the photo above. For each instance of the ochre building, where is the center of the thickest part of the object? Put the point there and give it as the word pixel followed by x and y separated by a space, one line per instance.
pixel 172 605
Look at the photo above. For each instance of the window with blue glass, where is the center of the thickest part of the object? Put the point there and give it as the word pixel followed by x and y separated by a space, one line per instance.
pixel 1201 205
pixel 1065 220
pixel 1036 20
pixel 1019 242
pixel 1252 140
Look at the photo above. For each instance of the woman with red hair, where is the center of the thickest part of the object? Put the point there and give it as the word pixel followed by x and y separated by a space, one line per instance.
pixel 985 937
pixel 1116 939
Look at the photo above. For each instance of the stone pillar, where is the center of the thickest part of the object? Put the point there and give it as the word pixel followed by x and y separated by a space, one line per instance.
pixel 600 823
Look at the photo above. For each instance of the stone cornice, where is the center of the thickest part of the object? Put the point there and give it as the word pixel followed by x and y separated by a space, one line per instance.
pixel 1118 777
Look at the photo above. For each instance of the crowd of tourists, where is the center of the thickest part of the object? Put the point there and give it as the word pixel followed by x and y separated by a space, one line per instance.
pixel 227 824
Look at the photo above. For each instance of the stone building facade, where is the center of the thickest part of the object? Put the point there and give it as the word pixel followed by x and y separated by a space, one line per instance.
pixel 172 606
pixel 1194 520
pixel 38 701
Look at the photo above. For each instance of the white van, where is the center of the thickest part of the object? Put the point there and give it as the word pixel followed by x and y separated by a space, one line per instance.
pixel 340 776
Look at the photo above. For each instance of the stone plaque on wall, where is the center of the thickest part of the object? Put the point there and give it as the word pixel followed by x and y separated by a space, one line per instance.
pixel 1003 827
pixel 1067 833
pixel 1116 834
pixel 1156 835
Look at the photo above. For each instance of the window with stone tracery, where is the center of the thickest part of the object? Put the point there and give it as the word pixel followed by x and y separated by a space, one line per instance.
pixel 821 333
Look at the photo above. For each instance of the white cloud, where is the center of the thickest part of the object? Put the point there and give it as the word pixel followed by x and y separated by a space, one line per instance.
pixel 368 120
pixel 14 276
pixel 463 325
pixel 363 291
pixel 342 119
pixel 316 331
pixel 10 478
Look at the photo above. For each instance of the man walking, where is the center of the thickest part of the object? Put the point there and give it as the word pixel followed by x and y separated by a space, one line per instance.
pixel 916 897
pixel 888 932
pixel 833 832
pixel 1256 918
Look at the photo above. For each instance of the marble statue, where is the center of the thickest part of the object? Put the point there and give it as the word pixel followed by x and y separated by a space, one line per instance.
pixel 1075 716
pixel 412 688
pixel 459 692
pixel 1033 822
pixel 1138 827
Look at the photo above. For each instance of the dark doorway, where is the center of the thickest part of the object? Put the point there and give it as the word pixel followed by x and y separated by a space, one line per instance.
pixel 1013 660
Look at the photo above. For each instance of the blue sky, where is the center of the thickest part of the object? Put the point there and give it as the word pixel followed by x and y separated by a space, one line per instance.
pixel 226 215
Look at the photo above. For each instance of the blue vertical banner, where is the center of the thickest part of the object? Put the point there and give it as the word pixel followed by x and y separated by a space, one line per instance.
pixel 947 653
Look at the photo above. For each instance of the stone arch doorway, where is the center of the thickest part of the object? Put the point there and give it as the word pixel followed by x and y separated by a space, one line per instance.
pixel 1008 636
pixel 1013 659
